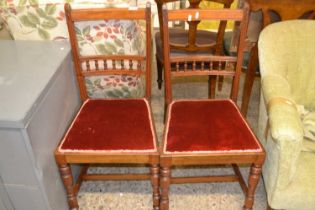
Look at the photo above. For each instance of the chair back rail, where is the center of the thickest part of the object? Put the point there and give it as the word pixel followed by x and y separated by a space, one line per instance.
pixel 287 10
pixel 188 65
pixel 192 45
pixel 93 65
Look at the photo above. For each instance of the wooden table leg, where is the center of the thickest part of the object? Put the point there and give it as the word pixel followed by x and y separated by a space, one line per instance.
pixel 66 175
pixel 155 186
pixel 249 79
pixel 254 177
pixel 164 184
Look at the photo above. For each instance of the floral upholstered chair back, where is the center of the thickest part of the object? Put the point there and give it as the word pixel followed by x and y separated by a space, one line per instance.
pixel 114 37
pixel 45 20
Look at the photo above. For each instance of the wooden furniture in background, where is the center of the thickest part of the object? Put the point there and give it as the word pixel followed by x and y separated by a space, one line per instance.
pixel 109 131
pixel 207 132
pixel 191 41
pixel 285 10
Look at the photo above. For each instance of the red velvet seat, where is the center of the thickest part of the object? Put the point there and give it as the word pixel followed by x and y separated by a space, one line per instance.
pixel 208 126
pixel 111 126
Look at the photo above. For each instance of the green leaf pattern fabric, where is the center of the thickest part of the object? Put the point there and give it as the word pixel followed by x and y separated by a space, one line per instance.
pixel 31 20
pixel 111 38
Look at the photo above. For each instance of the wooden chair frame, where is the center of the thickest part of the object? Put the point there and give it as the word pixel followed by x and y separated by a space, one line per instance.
pixel 212 61
pixel 64 159
pixel 168 160
pixel 192 46
pixel 287 10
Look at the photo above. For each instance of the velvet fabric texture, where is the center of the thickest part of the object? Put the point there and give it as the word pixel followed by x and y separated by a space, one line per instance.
pixel 208 126
pixel 111 125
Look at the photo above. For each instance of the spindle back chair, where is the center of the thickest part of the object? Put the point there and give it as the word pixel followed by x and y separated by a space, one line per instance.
pixel 211 131
pixel 109 131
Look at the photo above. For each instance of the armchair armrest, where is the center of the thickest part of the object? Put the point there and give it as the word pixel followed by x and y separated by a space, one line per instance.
pixel 286 131
pixel 284 118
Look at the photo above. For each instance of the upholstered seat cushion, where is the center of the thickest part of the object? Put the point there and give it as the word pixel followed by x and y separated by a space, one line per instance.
pixel 208 126
pixel 111 125
pixel 180 36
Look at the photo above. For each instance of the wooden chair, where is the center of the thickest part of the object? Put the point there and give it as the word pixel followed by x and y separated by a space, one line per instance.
pixel 272 11
pixel 109 131
pixel 191 41
pixel 212 131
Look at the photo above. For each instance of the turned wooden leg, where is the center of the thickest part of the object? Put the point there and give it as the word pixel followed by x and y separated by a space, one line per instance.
pixel 249 80
pixel 165 183
pixel 155 186
pixel 254 176
pixel 159 73
pixel 212 84
pixel 66 176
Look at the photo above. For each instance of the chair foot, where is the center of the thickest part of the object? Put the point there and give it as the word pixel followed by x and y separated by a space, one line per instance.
pixel 254 177
pixel 155 186
pixel 165 181
pixel 66 176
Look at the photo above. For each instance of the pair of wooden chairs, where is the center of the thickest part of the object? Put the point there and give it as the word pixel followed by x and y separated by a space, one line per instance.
pixel 121 131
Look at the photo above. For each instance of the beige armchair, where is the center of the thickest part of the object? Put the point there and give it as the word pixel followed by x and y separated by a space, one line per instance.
pixel 288 89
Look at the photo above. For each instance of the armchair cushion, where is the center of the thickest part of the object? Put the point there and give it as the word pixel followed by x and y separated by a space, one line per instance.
pixel 292 58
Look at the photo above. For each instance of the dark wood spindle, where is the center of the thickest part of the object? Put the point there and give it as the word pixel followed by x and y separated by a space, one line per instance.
pixel 105 64
pixel 130 64
pixel 96 64
pixel 87 65
pixel 122 62
pixel 194 66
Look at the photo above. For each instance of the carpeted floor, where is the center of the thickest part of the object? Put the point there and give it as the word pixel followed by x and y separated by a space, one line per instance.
pixel 212 196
